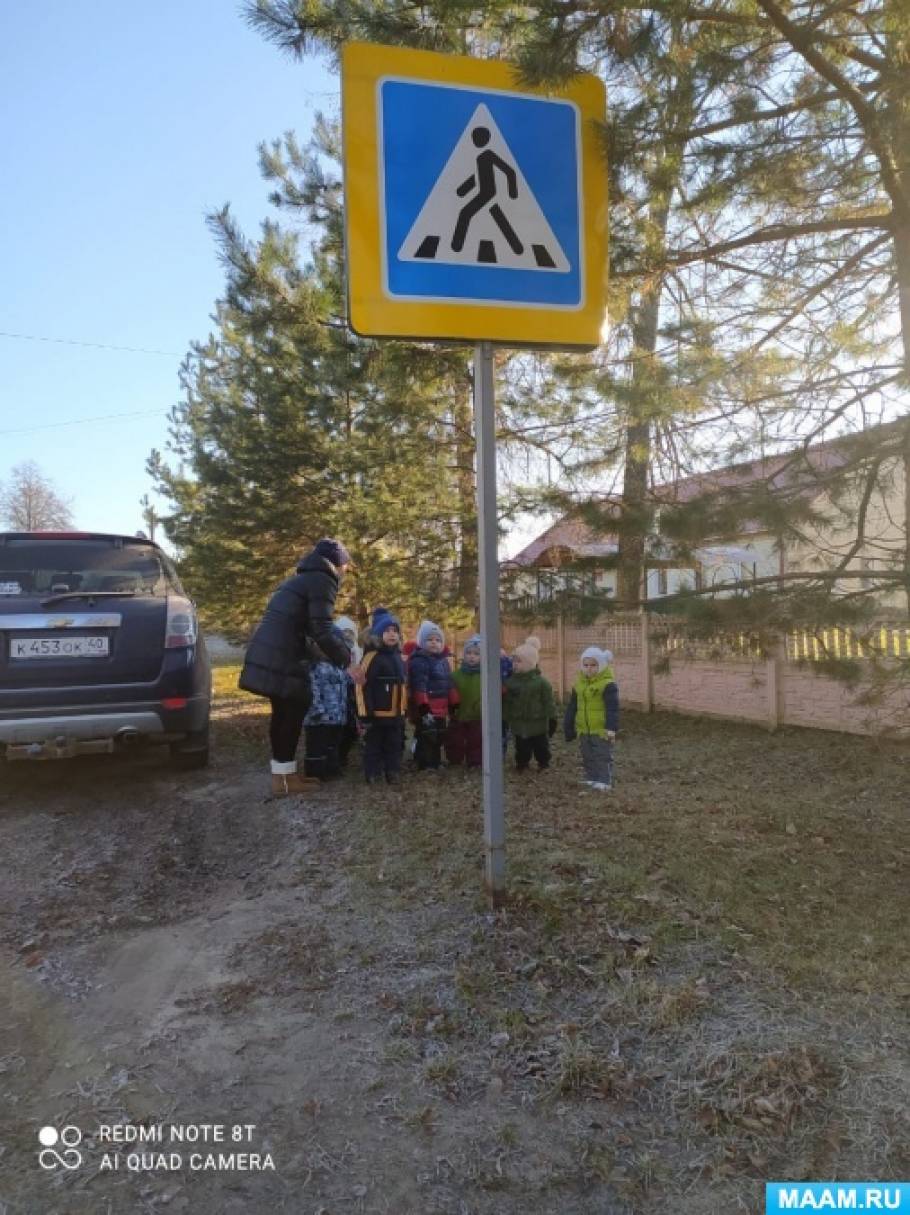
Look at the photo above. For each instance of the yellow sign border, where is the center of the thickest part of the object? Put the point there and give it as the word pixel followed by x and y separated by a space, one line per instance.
pixel 375 313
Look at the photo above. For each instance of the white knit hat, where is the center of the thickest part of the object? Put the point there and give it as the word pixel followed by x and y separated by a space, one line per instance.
pixel 528 652
pixel 599 656
pixel 347 625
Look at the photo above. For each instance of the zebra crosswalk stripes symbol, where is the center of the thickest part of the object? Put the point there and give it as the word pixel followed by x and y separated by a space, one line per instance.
pixel 481 210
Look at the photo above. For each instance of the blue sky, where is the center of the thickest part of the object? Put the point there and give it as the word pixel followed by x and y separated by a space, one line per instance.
pixel 122 126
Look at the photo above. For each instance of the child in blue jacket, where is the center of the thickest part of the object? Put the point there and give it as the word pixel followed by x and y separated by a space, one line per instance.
pixel 431 693
pixel 382 699
pixel 328 715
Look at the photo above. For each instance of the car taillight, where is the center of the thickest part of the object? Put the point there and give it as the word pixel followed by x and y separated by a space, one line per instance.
pixel 180 630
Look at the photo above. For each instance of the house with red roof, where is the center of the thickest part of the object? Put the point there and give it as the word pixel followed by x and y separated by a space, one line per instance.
pixel 850 500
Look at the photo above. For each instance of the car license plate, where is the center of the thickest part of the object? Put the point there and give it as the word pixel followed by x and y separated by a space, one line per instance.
pixel 59 647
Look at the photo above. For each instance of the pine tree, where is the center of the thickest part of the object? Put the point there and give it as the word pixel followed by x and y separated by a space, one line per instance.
pixel 760 179
pixel 291 427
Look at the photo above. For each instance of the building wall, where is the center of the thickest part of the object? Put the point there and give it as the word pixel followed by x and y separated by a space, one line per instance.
pixel 884 534
pixel 762 560
pixel 823 543
pixel 669 582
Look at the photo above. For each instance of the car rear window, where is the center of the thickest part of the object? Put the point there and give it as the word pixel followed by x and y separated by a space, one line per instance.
pixel 49 567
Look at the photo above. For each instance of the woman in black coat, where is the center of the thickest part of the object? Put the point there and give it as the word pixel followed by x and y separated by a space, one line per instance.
pixel 276 664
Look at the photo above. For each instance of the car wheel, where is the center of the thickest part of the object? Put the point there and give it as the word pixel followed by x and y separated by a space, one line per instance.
pixel 192 753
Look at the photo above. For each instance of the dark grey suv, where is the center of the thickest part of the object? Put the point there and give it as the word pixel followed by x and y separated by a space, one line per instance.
pixel 100 649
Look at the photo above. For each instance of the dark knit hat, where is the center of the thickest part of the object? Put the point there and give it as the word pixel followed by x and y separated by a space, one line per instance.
pixel 332 550
pixel 381 620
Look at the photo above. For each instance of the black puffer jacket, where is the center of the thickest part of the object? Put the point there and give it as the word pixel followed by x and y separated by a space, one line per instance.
pixel 298 613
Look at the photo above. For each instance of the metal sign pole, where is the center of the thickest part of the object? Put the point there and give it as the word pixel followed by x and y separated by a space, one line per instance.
pixel 491 681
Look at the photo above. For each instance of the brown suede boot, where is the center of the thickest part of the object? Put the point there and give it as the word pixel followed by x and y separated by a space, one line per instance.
pixel 289 783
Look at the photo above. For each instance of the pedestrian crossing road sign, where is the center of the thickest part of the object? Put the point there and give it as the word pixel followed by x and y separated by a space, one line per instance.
pixel 475 207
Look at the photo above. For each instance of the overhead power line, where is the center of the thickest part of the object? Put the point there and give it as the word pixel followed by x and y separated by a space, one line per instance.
pixel 37 337
pixel 106 417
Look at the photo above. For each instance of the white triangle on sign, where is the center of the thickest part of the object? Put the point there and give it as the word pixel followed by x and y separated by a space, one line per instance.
pixel 481 211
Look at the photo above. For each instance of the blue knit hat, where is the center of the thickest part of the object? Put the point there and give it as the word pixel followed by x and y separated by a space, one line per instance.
pixel 332 550
pixel 474 643
pixel 383 619
pixel 427 630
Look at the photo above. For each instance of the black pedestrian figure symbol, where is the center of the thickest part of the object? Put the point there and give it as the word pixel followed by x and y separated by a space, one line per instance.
pixel 485 180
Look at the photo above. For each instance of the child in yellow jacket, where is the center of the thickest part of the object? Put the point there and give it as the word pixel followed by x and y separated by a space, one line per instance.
pixel 592 714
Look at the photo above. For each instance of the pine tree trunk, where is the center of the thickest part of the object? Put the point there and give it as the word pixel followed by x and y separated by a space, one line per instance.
pixel 630 568
pixel 635 515
pixel 907 511
pixel 630 573
pixel 902 267
pixel 898 120
pixel 897 124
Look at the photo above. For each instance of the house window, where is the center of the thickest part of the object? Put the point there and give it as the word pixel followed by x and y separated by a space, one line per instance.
pixel 661 582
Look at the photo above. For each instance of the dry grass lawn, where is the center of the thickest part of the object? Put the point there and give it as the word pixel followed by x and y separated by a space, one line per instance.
pixel 699 982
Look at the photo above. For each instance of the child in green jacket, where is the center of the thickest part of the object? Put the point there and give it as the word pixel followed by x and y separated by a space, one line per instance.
pixel 464 743
pixel 593 714
pixel 529 707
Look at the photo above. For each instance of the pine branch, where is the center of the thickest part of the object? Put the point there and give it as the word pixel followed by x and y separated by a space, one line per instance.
pixel 756 117
pixel 803 577
pixel 746 22
pixel 802 42
pixel 781 232
pixel 861 514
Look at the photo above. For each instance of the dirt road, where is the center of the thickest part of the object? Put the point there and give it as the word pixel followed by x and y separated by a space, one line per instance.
pixel 185 951
pixel 182 952
pixel 169 961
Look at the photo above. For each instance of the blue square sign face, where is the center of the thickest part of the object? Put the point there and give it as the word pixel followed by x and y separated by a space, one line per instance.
pixel 481 198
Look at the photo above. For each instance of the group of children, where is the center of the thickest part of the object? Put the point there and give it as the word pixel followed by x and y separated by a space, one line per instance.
pixel 389 684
